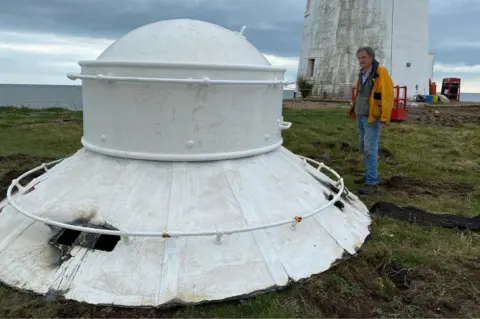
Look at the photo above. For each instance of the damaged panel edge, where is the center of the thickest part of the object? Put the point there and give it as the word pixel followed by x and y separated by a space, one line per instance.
pixel 346 193
pixel 63 240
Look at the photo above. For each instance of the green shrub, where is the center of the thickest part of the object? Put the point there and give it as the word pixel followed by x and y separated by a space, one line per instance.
pixel 304 87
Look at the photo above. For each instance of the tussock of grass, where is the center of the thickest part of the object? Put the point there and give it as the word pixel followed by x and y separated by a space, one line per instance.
pixel 404 270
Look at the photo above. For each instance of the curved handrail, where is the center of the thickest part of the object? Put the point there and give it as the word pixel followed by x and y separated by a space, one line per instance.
pixel 180 157
pixel 204 81
pixel 168 234
pixel 180 65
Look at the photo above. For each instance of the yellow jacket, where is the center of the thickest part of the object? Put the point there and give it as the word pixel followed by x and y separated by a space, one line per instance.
pixel 381 97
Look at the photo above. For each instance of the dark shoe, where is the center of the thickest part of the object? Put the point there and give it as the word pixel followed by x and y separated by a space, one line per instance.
pixel 360 180
pixel 368 190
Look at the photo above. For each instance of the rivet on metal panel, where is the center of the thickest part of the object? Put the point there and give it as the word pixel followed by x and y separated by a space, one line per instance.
pixel 104 138
pixel 267 136
pixel 190 143
pixel 127 240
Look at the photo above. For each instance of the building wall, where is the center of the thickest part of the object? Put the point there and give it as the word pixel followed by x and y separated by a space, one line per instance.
pixel 334 30
pixel 410 45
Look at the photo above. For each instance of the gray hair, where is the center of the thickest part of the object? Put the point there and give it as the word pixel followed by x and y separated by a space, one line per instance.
pixel 369 51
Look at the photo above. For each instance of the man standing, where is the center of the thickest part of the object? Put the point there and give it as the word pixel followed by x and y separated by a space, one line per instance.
pixel 372 107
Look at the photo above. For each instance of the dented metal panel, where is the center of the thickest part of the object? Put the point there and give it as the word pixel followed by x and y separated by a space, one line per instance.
pixel 123 194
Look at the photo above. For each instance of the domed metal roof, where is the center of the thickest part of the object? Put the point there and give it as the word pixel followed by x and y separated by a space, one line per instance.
pixel 184 41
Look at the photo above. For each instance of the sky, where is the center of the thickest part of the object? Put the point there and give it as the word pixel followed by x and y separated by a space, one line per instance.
pixel 42 40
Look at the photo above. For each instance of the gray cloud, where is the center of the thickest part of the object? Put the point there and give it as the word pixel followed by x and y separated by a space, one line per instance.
pixel 273 26
pixel 454 27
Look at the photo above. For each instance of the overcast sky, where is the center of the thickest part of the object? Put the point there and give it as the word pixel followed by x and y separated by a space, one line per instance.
pixel 42 40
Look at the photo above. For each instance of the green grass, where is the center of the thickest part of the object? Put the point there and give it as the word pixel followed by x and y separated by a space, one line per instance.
pixel 442 265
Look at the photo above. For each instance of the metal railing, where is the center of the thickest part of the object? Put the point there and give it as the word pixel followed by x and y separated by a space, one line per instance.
pixel 169 234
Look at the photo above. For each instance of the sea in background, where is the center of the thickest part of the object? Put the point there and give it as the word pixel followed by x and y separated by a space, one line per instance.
pixel 70 96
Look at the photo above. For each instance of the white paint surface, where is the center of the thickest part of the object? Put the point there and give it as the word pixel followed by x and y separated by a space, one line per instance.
pixel 180 121
pixel 184 41
pixel 134 195
pixel 185 158
pixel 334 30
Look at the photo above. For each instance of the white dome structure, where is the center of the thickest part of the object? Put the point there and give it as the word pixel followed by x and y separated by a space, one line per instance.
pixel 184 41
pixel 183 192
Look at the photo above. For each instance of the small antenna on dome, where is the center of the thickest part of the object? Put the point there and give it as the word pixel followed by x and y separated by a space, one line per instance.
pixel 243 29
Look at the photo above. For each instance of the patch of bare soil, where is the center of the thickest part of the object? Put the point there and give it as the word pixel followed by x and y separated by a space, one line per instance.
pixel 407 185
pixel 444 116
pixel 380 288
pixel 22 164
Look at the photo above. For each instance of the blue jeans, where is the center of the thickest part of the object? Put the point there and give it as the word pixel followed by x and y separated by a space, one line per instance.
pixel 369 137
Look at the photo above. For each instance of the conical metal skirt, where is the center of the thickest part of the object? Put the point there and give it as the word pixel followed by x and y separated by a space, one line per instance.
pixel 189 203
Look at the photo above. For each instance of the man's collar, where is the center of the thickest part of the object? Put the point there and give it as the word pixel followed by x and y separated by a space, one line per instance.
pixel 373 67
pixel 368 70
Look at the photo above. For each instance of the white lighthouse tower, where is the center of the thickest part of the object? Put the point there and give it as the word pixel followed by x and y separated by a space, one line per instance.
pixel 334 29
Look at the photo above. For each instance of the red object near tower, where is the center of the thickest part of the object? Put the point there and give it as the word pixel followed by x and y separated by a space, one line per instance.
pixel 399 111
pixel 451 88
pixel 433 87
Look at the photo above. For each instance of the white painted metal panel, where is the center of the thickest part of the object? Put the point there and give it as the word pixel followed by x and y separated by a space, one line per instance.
pixel 133 195
pixel 203 93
